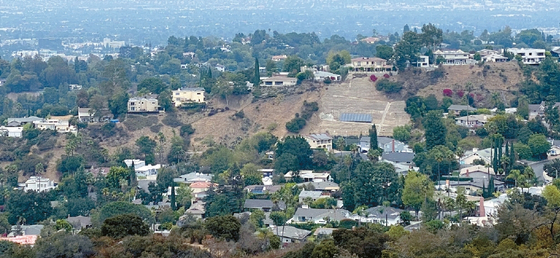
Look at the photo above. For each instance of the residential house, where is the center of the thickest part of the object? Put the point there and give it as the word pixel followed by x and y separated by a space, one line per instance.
pixel 319 141
pixel 290 234
pixel 473 121
pixel 324 231
pixel 264 205
pixel 555 147
pixel 143 105
pixel 262 189
pixel 23 234
pixel 38 184
pixel 398 157
pixel 74 87
pixel 479 180
pixel 387 216
pixel 85 115
pixel 79 222
pixel 309 176
pixel 319 216
pixel 529 56
pixel 370 40
pixel 16 122
pixel 196 210
pixel 220 68
pixel 391 145
pixel 278 81
pixel 538 109
pixel 136 162
pixel 312 195
pixel 494 58
pixel 193 177
pixel 321 76
pixel 471 155
pixel 148 170
pixel 423 61
pixel 456 109
pixel 199 189
pixel 364 144
pixel 13 132
pixel 60 124
pixel 279 58
pixel 486 52
pixel 325 186
pixel 369 64
pixel 476 169
pixel 455 57
pixel 188 95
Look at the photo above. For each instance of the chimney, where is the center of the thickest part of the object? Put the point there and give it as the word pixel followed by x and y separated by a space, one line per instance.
pixel 482 212
pixel 393 147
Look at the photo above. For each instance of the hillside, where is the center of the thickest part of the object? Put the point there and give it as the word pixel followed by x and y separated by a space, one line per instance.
pixel 502 78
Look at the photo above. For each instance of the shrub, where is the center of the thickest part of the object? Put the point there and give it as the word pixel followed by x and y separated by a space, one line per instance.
pixel 295 125
pixel 460 93
pixel 171 120
pixel 373 78
pixel 186 130
pixel 239 114
pixel 447 92
pixel 386 76
pixel 388 86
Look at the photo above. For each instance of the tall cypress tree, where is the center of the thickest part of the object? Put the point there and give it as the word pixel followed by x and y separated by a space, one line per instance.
pixel 373 137
pixel 172 198
pixel 512 156
pixel 491 187
pixel 257 80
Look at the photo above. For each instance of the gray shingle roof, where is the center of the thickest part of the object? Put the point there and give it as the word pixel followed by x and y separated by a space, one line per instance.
pixel 292 232
pixel 390 212
pixel 260 204
pixel 399 156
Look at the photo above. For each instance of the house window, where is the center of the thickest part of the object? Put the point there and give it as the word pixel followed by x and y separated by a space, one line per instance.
pixel 198 93
pixel 177 94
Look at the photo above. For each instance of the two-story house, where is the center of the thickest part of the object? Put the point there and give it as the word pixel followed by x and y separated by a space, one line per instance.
pixel 472 121
pixel 60 124
pixel 369 64
pixel 188 95
pixel 142 105
pixel 319 141
pixel 529 56
pixel 455 57
pixel 39 184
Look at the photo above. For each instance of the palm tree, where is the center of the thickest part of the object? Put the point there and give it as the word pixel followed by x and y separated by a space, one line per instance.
pixel 518 177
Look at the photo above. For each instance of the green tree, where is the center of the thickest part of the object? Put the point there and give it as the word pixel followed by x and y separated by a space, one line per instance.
pixel 251 174
pixel 298 147
pixel 417 188
pixel 384 51
pixel 124 225
pixel 435 130
pixel 62 244
pixel 325 249
pixel 113 209
pixel 30 206
pixel 118 104
pixel 257 80
pixel 407 49
pixel 224 227
pixel 184 196
pixel 431 36
pixel 402 133
pixel 152 85
pixel 373 143
pixel 376 183
pixel 539 145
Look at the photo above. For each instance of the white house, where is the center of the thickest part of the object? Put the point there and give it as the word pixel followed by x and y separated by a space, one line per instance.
pixel 309 176
pixel 455 57
pixel 14 132
pixel 278 81
pixel 137 163
pixel 148 170
pixel 473 121
pixel 85 115
pixel 319 216
pixel 321 76
pixel 495 58
pixel 530 56
pixel 60 124
pixel 39 184
pixel 188 95
pixel 423 61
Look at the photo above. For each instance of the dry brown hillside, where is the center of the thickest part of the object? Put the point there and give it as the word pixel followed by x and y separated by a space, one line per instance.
pixel 502 78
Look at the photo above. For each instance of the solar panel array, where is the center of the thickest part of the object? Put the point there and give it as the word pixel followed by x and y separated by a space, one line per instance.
pixel 355 117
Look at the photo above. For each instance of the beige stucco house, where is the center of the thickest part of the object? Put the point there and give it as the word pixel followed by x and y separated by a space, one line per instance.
pixel 140 105
pixel 369 64
pixel 188 95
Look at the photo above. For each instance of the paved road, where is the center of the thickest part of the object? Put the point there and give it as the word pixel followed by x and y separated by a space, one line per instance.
pixel 538 168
